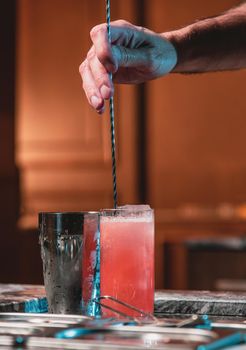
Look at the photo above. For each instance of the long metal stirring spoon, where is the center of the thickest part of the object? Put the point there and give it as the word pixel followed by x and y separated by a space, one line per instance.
pixel 111 111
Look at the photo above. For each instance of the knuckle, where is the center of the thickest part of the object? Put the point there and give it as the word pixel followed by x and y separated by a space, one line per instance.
pixel 100 80
pixel 93 31
pixel 82 66
pixel 122 22
pixel 141 29
pixel 102 56
pixel 90 55
pixel 97 30
pixel 90 91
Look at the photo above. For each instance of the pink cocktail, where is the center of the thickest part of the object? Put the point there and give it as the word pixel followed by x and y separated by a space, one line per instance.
pixel 127 258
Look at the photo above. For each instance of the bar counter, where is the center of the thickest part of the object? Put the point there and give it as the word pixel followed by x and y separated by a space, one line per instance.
pixel 31 298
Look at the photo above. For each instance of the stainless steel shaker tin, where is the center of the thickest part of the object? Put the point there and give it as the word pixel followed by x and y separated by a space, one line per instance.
pixel 61 240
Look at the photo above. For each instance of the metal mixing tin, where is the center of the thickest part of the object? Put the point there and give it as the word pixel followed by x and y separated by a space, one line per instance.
pixel 52 331
pixel 49 331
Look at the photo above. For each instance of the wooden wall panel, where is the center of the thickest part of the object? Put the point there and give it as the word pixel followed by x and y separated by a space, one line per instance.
pixel 196 123
pixel 196 145
pixel 63 146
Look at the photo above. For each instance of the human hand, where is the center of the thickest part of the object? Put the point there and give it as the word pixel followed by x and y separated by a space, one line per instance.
pixel 135 55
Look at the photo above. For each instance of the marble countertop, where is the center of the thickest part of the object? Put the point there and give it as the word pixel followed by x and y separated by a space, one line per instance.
pixel 22 298
pixel 31 298
pixel 200 302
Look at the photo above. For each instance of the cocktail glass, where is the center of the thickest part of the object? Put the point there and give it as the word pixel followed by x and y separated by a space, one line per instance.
pixel 127 258
pixel 91 266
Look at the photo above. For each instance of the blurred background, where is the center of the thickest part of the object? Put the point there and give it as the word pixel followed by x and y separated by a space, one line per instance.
pixel 181 144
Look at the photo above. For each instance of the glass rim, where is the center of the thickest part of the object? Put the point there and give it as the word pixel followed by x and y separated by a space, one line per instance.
pixel 67 212
pixel 125 210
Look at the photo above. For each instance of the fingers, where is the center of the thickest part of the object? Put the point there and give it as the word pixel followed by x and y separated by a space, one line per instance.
pixel 99 37
pixel 101 76
pixel 96 81
pixel 92 93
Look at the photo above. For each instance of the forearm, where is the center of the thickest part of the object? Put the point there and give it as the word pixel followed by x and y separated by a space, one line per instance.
pixel 212 44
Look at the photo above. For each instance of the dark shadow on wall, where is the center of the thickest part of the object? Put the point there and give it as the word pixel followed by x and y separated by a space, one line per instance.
pixel 9 179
